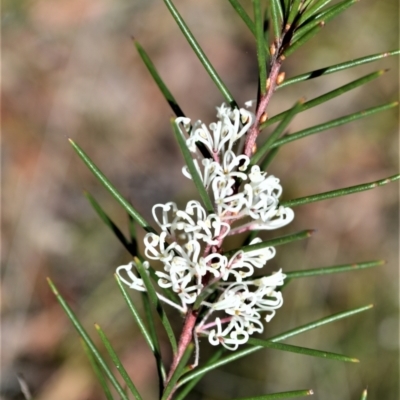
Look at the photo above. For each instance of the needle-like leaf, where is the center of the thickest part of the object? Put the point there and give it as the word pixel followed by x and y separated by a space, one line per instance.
pixel 157 304
pixel 262 63
pixel 294 45
pixel 152 341
pixel 323 17
pixel 108 185
pixel 301 350
pixel 118 364
pixel 277 338
pixel 157 79
pixel 200 53
pixel 332 124
pixel 186 390
pixel 364 395
pixel 281 395
pixel 339 192
pixel 317 5
pixel 110 223
pixel 88 341
pixel 268 158
pixel 243 14
pixel 327 96
pixel 273 242
pixel 333 270
pixel 192 168
pixel 337 67
pixel 276 133
pixel 99 374
pixel 276 18
pixel 294 11
pixel 178 372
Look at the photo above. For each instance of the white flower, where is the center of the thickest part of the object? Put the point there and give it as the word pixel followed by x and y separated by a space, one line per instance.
pixel 134 282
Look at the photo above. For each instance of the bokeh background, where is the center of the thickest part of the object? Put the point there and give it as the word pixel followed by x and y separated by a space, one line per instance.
pixel 70 70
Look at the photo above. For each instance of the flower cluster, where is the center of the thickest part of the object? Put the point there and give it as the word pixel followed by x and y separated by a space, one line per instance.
pixel 190 240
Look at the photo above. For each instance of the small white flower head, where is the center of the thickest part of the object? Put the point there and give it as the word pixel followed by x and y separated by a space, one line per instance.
pixel 127 275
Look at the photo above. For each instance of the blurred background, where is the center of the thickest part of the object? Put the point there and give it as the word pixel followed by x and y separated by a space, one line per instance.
pixel 70 70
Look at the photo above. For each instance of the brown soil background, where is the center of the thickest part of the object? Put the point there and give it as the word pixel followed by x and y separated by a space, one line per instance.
pixel 70 70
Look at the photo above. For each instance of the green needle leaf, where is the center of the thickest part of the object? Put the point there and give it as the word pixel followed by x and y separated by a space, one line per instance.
pixel 273 242
pixel 301 350
pixel 89 343
pixel 332 124
pixel 276 133
pixel 160 83
pixel 187 389
pixel 333 270
pixel 278 338
pixel 339 192
pixel 108 221
pixel 336 68
pixel 262 63
pixel 157 304
pixel 108 185
pixel 294 11
pixel 318 4
pixel 364 395
pixel 178 372
pixel 282 395
pixel 200 53
pixel 327 96
pixel 323 17
pixel 118 364
pixel 98 372
pixel 243 14
pixel 192 168
pixel 153 344
pixel 303 39
pixel 268 158
pixel 276 18
pixel 154 339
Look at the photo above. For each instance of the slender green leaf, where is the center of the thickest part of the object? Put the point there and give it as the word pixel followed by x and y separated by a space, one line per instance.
pixel 276 133
pixel 247 20
pixel 281 395
pixel 274 242
pixel 301 350
pixel 276 18
pixel 268 158
pixel 192 168
pixel 200 53
pixel 157 304
pixel 109 222
pixel 277 338
pixel 339 192
pixel 294 11
pixel 364 395
pixel 317 5
pixel 262 63
pixel 153 346
pixel 187 389
pixel 118 364
pixel 333 270
pixel 132 235
pixel 108 185
pixel 332 124
pixel 160 83
pixel 98 372
pixel 243 14
pixel 153 335
pixel 327 96
pixel 336 68
pixel 294 45
pixel 89 343
pixel 323 17
pixel 285 5
pixel 178 372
